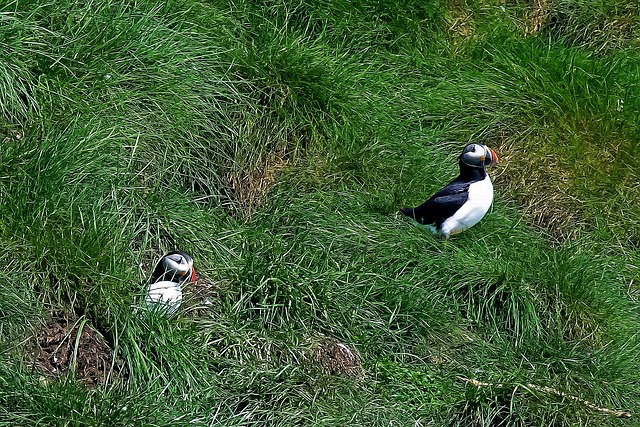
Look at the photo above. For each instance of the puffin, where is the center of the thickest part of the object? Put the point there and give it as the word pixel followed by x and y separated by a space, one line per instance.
pixel 165 285
pixel 463 202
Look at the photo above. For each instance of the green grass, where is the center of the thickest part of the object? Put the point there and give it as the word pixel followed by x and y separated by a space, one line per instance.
pixel 274 142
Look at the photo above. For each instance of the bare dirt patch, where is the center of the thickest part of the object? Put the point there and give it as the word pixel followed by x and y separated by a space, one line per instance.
pixel 69 344
pixel 336 358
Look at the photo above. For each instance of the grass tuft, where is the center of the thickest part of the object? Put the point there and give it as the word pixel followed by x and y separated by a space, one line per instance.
pixel 275 142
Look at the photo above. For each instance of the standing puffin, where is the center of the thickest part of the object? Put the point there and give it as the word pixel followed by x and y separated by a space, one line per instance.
pixel 165 285
pixel 465 200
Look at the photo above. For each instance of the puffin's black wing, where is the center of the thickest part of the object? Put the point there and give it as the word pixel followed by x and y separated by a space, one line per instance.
pixel 158 272
pixel 441 205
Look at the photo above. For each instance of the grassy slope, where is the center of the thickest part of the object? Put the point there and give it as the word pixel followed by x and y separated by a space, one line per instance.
pixel 129 130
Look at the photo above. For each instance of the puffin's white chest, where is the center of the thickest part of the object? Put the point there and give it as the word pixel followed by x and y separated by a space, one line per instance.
pixel 165 296
pixel 476 206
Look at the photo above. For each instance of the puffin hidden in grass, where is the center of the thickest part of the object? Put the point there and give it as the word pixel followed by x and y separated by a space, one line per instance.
pixel 165 286
pixel 465 200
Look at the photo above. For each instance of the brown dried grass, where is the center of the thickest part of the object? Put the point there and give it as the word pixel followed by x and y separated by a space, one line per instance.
pixel 536 16
pixel 542 186
pixel 250 187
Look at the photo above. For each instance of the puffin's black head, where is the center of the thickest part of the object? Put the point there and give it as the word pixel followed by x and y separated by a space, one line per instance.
pixel 176 267
pixel 478 156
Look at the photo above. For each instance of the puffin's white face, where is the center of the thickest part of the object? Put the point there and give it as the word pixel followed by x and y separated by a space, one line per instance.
pixel 178 267
pixel 478 155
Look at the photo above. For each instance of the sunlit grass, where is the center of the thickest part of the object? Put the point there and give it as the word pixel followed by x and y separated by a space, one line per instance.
pixel 274 142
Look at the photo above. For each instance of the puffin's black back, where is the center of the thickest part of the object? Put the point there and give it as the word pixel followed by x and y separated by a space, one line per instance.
pixel 449 199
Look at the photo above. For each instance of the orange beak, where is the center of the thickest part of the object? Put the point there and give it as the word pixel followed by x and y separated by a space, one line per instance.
pixel 194 277
pixel 494 156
